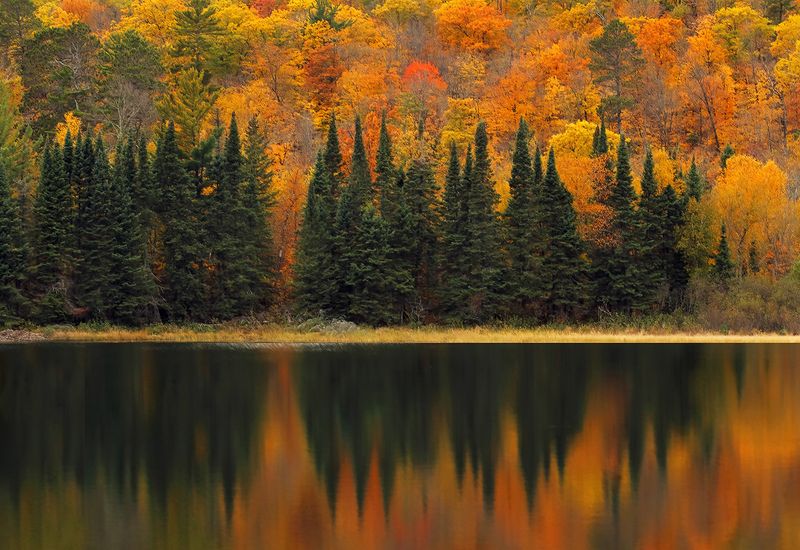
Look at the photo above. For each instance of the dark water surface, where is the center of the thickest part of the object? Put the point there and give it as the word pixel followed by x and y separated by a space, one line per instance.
pixel 492 446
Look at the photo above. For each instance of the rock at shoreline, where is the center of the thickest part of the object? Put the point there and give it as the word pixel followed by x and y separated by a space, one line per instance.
pixel 14 336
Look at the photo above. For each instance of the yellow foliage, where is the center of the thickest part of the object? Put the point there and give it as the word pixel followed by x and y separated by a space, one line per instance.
pixel 53 15
pixel 72 123
pixel 786 36
pixel 664 171
pixel 752 199
pixel 399 11
pixel 153 19
pixel 460 120
pixel 576 139
pixel 472 25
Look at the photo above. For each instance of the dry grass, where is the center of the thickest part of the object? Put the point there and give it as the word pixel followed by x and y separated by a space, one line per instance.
pixel 399 335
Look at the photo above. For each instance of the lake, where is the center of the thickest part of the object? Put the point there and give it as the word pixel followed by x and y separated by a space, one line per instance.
pixel 406 446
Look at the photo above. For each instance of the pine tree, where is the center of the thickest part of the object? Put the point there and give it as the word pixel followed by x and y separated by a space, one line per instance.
pixel 94 266
pixel 181 279
pixel 386 174
pixel 676 266
pixel 523 228
pixel 333 159
pixel 694 183
pixel 653 252
pixel 52 236
pixel 564 269
pixel 370 276
pixel 727 153
pixel 420 217
pixel 315 267
pixel 258 200
pixel 402 244
pixel 354 197
pixel 723 265
pixel 131 286
pixel 454 287
pixel 12 255
pixel 620 275
pixel 482 250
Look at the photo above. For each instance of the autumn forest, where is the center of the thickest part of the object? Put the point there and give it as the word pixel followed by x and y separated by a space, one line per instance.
pixel 400 161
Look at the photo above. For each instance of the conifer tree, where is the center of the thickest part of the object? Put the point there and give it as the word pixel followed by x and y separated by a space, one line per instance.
pixel 723 264
pixel 181 279
pixel 258 200
pixel 131 286
pixel 12 255
pixel 386 174
pixel 454 287
pixel 727 153
pixel 523 228
pixel 354 197
pixel 333 159
pixel 564 268
pixel 53 223
pixel 370 276
pixel 94 266
pixel 694 183
pixel 653 253
pixel 675 261
pixel 420 216
pixel 402 244
pixel 482 250
pixel 315 267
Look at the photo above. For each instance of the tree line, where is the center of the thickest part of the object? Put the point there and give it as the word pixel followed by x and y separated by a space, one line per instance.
pixel 166 237
pixel 395 250
pixel 144 239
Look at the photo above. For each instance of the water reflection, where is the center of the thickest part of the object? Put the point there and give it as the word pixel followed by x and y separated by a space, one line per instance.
pixel 400 446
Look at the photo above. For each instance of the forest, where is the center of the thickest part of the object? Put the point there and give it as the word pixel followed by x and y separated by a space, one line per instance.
pixel 400 162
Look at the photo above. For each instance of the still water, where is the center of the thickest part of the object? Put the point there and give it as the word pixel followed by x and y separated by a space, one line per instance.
pixel 493 446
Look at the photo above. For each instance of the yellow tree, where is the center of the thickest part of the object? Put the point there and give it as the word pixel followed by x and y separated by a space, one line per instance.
pixel 471 25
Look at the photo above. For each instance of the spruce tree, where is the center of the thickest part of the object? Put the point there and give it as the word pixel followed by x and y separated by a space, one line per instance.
pixel 131 286
pixel 386 174
pixel 333 158
pixel 454 287
pixel 675 261
pixel 12 256
pixel 723 264
pixel 651 239
pixel 93 277
pixel 258 200
pixel 315 267
pixel 354 197
pixel 564 268
pixel 523 229
pixel 694 183
pixel 403 244
pixel 370 276
pixel 482 250
pixel 420 217
pixel 727 153
pixel 181 279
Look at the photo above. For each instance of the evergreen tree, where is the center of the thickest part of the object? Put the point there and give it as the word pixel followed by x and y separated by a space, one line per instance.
pixel 315 267
pixel 482 250
pixel 454 288
pixel 523 228
pixel 258 200
pixel 723 264
pixel 181 279
pixel 52 235
pixel 403 244
pixel 354 197
pixel 385 174
pixel 131 286
pixel 727 153
pixel 694 183
pixel 333 159
pixel 564 269
pixel 93 277
pixel 12 255
pixel 370 276
pixel 675 261
pixel 651 239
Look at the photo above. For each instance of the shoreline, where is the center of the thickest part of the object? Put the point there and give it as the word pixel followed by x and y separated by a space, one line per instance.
pixel 274 334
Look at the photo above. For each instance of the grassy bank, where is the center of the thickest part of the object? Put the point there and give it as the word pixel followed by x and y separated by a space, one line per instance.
pixel 356 335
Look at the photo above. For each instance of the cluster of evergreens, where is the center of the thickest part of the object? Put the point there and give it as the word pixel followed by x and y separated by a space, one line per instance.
pixel 395 250
pixel 145 238
pixel 169 237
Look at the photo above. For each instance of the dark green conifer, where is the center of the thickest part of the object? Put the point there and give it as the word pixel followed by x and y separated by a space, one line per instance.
pixel 727 153
pixel 12 256
pixel 454 287
pixel 333 158
pixel 181 279
pixel 564 268
pixel 370 277
pixel 419 202
pixel 723 264
pixel 386 174
pixel 694 183
pixel 653 253
pixel 523 229
pixel 676 269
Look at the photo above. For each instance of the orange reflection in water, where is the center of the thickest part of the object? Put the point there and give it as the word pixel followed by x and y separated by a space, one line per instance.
pixel 730 479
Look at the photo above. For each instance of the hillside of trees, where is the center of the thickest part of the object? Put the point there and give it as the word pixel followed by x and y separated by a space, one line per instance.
pixel 401 161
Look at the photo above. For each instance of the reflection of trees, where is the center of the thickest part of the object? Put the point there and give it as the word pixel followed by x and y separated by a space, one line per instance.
pixel 357 401
pixel 175 416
